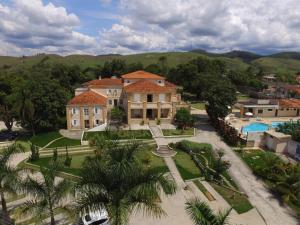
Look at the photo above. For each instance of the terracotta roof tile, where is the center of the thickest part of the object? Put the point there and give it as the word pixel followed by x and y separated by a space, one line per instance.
pixel 169 84
pixel 146 86
pixel 88 98
pixel 105 82
pixel 140 74
pixel 289 103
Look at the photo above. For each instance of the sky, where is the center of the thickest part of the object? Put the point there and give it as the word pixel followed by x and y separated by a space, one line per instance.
pixel 97 27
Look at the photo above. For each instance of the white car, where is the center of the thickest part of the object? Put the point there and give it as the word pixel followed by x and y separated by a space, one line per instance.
pixel 99 217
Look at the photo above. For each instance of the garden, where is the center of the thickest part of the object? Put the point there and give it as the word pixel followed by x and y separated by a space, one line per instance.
pixel 282 178
pixel 195 160
pixel 120 134
pixel 178 132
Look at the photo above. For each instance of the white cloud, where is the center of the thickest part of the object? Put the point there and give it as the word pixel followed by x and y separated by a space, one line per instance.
pixel 258 25
pixel 29 26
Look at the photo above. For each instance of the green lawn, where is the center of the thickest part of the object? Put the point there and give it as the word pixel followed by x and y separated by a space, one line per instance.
pixel 237 201
pixel 44 138
pixel 145 155
pixel 253 158
pixel 175 132
pixel 198 105
pixel 186 166
pixel 122 134
pixel 64 142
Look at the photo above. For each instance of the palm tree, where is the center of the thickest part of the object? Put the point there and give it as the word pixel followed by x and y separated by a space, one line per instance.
pixel 118 182
pixel 289 186
pixel 49 194
pixel 201 214
pixel 9 178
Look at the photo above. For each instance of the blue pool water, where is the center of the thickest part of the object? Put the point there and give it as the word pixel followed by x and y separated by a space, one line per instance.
pixel 255 127
pixel 259 127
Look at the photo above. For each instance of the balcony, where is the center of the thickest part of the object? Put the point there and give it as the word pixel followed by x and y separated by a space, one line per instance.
pixel 151 105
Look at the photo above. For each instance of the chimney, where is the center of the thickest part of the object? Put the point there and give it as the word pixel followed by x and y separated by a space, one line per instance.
pixel 100 77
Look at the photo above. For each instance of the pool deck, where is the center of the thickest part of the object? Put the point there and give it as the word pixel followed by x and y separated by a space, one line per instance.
pixel 239 123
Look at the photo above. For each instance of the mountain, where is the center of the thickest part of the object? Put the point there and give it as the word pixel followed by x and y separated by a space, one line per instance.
pixel 286 55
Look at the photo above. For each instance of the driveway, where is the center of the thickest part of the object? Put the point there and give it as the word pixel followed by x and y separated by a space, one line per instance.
pixel 270 208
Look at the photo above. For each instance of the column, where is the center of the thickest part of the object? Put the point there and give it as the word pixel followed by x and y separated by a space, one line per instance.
pixel 69 119
pixel 145 111
pixel 158 110
pixel 81 120
pixel 129 112
pixel 91 116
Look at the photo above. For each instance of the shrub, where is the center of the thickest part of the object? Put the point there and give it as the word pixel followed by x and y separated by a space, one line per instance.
pixel 68 159
pixel 55 155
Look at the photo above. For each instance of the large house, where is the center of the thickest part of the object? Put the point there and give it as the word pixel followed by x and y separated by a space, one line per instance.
pixel 145 97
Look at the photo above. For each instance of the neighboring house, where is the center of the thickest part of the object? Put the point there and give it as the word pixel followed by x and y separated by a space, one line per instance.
pixel 271 108
pixel 288 91
pixel 145 97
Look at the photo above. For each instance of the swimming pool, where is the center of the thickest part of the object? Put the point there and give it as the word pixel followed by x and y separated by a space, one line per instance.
pixel 255 127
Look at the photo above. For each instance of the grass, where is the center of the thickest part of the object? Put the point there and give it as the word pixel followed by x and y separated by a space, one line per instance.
pixel 44 138
pixel 198 105
pixel 253 158
pixel 144 155
pixel 236 200
pixel 176 132
pixel 186 166
pixel 203 189
pixel 122 134
pixel 64 142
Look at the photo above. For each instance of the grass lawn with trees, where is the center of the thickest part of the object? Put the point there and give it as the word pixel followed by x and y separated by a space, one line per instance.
pixel 178 132
pixel 122 134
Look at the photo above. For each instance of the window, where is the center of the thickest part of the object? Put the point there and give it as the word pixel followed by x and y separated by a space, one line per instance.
pixel 287 109
pixel 97 122
pixel 86 111
pixel 74 111
pixel 260 111
pixel 127 81
pixel 162 97
pixel 159 81
pixel 270 110
pixel 149 98
pixel 115 102
pixel 96 110
pixel 110 102
pixel 136 97
pixel 74 122
pixel 115 93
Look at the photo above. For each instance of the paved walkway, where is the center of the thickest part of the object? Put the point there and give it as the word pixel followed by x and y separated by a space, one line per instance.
pixel 269 207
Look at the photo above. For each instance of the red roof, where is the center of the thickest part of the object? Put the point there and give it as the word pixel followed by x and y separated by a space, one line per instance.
pixel 289 103
pixel 88 98
pixel 169 84
pixel 147 86
pixel 106 82
pixel 140 74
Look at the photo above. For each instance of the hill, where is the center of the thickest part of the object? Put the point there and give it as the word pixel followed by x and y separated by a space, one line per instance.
pixel 285 63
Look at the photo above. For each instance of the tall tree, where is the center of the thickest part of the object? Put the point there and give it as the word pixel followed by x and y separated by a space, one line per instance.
pixel 10 182
pixel 7 113
pixel 133 186
pixel 48 194
pixel 201 214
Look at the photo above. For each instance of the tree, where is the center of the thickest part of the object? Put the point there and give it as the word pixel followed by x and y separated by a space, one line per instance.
pixel 116 116
pixel 163 61
pixel 7 113
pixel 48 194
pixel 220 165
pixel 220 97
pixel 10 181
pixel 201 214
pixel 184 118
pixel 118 182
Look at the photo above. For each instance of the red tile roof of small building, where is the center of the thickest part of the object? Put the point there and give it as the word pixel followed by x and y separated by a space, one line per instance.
pixel 105 82
pixel 169 84
pixel 88 98
pixel 289 103
pixel 140 74
pixel 147 86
